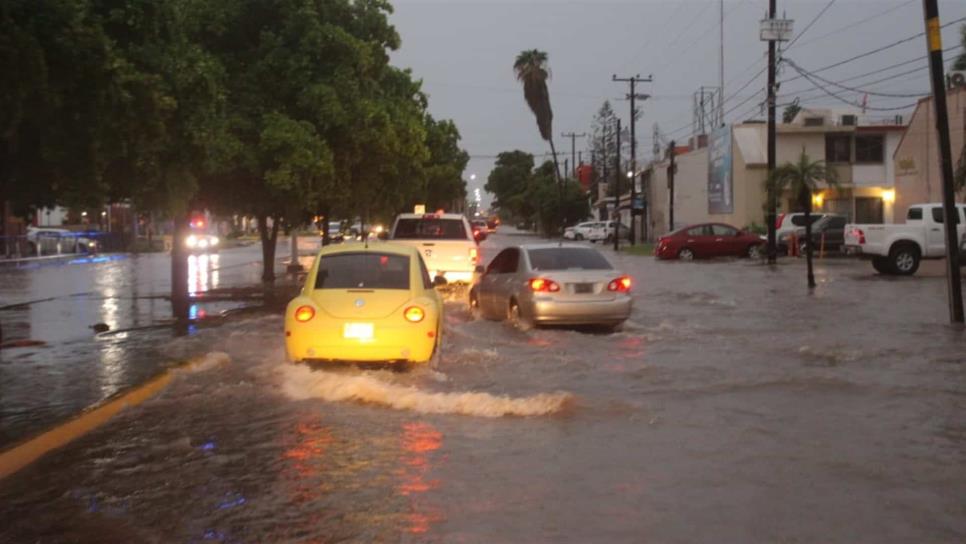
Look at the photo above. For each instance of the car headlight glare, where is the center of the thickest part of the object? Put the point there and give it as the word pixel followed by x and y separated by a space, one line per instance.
pixel 304 313
pixel 214 240
pixel 191 241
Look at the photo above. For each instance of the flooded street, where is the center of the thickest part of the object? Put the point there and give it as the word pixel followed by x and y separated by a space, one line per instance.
pixel 733 407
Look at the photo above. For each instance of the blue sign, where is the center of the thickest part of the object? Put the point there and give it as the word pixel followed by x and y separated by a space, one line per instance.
pixel 720 195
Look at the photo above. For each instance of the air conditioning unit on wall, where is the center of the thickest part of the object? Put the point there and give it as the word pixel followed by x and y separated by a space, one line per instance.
pixel 956 80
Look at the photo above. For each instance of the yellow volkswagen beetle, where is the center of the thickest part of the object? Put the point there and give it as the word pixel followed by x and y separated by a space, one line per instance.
pixel 365 304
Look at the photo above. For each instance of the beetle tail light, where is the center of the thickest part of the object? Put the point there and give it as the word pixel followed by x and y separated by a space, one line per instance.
pixel 304 314
pixel 474 255
pixel 620 285
pixel 414 314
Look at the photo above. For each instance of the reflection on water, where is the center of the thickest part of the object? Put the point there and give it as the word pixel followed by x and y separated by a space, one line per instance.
pixel 202 273
pixel 419 441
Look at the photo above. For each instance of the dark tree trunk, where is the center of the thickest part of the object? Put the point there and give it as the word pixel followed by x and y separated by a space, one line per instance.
pixel 268 236
pixel 326 235
pixel 807 203
pixel 560 193
pixel 179 270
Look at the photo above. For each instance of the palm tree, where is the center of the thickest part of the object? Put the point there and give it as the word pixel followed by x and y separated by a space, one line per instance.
pixel 802 179
pixel 531 69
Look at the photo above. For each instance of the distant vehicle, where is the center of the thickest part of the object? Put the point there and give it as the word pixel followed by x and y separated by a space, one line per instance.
pixel 898 249
pixel 199 240
pixel 444 240
pixel 596 231
pixel 45 240
pixel 550 284
pixel 492 223
pixel 479 229
pixel 336 234
pixel 709 240
pixel 360 304
pixel 828 233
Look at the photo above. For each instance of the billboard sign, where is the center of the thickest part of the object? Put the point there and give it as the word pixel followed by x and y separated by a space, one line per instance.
pixel 720 194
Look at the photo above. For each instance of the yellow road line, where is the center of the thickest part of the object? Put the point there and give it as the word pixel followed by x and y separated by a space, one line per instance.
pixel 32 449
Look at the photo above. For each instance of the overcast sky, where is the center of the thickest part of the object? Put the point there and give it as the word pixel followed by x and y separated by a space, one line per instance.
pixel 463 50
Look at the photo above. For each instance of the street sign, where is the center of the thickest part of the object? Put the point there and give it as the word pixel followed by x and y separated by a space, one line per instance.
pixel 779 30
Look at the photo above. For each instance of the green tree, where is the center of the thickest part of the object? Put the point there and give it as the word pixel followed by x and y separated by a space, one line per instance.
pixel 444 168
pixel 791 110
pixel 801 179
pixel 508 181
pixel 531 69
pixel 604 141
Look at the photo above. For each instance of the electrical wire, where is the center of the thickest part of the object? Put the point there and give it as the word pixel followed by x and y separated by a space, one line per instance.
pixel 851 26
pixel 809 25
pixel 801 70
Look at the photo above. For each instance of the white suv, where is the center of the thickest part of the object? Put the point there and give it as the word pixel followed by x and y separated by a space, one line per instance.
pixel 595 231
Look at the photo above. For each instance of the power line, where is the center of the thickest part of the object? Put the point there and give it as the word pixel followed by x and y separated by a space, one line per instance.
pixel 851 26
pixel 809 25
pixel 807 76
pixel 801 70
pixel 874 51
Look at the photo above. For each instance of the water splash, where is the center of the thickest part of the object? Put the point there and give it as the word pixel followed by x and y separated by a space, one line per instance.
pixel 300 383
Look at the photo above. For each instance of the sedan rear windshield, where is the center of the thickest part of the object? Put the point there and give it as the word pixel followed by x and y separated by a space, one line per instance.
pixel 567 258
pixel 363 271
pixel 432 229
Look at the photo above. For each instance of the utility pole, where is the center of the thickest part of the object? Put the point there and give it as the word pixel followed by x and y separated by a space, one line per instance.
pixel 632 96
pixel 772 197
pixel 573 147
pixel 721 64
pixel 603 162
pixel 934 44
pixel 671 170
pixel 617 190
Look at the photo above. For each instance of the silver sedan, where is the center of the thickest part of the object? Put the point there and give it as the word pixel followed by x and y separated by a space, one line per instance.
pixel 550 284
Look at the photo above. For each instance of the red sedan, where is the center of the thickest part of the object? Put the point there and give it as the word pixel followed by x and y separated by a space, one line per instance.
pixel 709 240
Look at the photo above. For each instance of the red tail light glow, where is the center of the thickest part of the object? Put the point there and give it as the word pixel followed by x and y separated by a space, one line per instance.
pixel 414 314
pixel 543 285
pixel 779 220
pixel 857 232
pixel 304 313
pixel 620 285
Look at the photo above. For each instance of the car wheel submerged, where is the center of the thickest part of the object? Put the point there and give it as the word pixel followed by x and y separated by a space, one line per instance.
pixel 517 319
pixel 475 311
pixel 578 237
pixel 686 254
pixel 882 265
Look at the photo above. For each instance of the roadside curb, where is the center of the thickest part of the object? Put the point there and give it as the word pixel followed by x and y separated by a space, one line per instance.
pixel 26 452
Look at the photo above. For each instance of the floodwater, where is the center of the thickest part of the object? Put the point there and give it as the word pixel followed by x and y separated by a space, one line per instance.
pixel 70 367
pixel 734 407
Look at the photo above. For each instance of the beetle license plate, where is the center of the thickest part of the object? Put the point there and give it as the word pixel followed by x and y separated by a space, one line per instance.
pixel 583 288
pixel 359 331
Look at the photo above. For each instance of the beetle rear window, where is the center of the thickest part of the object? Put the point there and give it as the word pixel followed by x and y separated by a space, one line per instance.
pixel 363 271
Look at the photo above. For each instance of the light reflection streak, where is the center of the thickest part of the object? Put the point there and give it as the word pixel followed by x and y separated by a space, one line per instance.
pixel 419 441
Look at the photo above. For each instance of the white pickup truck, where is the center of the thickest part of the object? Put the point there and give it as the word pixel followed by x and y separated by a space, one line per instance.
pixel 445 240
pixel 898 249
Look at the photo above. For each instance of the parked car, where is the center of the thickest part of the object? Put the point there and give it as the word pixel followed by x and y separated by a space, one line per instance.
pixel 828 233
pixel 709 240
pixel 898 249
pixel 444 240
pixel 543 284
pixel 596 231
pixel 786 223
pixel 359 304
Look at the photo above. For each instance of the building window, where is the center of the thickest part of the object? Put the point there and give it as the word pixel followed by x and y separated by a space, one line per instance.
pixel 869 148
pixel 838 148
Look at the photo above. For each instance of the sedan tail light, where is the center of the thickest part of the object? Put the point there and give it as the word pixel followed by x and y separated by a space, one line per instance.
pixel 474 255
pixel 779 220
pixel 620 285
pixel 543 285
pixel 414 314
pixel 304 313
